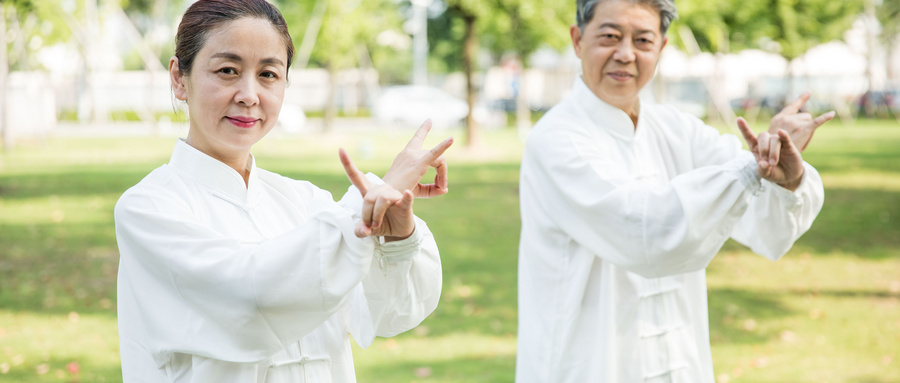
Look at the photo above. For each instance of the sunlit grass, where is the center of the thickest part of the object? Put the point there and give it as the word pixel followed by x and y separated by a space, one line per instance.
pixel 828 311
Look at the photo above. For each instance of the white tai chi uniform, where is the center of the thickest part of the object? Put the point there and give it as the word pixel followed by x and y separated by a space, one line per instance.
pixel 222 281
pixel 618 226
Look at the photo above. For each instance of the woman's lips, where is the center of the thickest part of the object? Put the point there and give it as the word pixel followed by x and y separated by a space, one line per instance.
pixel 242 122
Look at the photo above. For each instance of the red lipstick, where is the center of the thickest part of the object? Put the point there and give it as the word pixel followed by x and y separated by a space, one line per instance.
pixel 242 122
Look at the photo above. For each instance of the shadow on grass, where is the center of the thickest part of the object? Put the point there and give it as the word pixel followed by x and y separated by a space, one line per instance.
pixel 734 314
pixel 862 222
pixel 58 268
pixel 74 183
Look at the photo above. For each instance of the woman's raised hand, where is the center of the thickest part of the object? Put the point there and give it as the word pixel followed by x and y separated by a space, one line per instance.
pixel 385 211
pixel 413 162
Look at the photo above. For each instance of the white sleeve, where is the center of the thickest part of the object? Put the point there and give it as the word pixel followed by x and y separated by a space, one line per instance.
pixel 775 217
pixel 403 286
pixel 649 230
pixel 196 291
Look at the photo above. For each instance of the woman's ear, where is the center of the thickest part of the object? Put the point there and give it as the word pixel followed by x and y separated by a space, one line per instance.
pixel 178 80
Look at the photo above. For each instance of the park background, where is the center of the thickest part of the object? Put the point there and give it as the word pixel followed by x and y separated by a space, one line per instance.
pixel 86 112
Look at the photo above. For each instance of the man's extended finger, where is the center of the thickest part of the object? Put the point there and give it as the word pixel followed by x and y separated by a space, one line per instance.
pixel 748 134
pixel 774 149
pixel 763 149
pixel 795 105
pixel 357 178
pixel 417 139
pixel 787 145
pixel 365 212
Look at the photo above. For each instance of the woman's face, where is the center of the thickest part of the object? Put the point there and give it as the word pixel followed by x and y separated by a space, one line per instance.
pixel 235 88
pixel 619 50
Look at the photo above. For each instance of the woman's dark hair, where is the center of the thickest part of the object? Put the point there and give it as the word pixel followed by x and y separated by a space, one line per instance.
pixel 205 15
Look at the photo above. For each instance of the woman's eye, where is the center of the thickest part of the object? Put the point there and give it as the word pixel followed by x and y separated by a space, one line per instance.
pixel 228 71
pixel 270 75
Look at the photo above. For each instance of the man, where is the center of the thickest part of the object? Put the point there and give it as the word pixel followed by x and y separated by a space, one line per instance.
pixel 624 203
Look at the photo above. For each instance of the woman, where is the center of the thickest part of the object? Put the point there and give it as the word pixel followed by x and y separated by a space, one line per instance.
pixel 230 273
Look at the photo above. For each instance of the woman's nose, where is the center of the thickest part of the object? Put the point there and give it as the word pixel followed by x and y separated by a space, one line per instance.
pixel 247 92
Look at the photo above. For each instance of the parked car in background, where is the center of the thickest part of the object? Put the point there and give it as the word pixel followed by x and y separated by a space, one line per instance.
pixel 410 105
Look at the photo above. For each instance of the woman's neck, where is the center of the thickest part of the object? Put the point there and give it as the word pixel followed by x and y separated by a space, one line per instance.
pixel 239 161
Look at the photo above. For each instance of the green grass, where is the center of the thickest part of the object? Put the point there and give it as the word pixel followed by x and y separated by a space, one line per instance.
pixel 828 312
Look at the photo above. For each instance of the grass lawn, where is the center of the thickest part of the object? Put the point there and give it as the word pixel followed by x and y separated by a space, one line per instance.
pixel 828 312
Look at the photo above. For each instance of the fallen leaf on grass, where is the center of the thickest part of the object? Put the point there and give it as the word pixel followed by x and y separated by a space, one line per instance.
pixel 423 372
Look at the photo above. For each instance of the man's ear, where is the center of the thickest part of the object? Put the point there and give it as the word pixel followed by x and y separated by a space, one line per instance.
pixel 575 33
pixel 178 80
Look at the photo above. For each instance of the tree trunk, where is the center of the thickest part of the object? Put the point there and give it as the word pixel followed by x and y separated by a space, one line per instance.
pixel 469 50
pixel 4 70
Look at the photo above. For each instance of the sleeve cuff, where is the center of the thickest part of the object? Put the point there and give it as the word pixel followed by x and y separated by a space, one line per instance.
pixel 402 250
pixel 792 198
pixel 745 165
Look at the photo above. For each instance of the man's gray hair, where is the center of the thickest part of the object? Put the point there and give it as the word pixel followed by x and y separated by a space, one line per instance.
pixel 584 11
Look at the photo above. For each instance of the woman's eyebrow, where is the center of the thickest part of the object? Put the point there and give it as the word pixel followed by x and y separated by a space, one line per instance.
pixel 227 56
pixel 237 58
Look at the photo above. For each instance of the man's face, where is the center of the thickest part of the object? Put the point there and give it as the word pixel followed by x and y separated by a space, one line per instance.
pixel 619 50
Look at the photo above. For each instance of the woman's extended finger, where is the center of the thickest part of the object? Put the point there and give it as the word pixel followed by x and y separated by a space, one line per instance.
pixel 357 178
pixel 382 203
pixel 440 178
pixel 438 151
pixel 361 230
pixel 407 201
pixel 419 138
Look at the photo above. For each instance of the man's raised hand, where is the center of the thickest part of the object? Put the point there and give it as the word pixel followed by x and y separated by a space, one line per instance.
pixel 778 159
pixel 800 126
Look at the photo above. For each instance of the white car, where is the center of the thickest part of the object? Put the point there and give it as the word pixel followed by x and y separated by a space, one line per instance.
pixel 410 105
